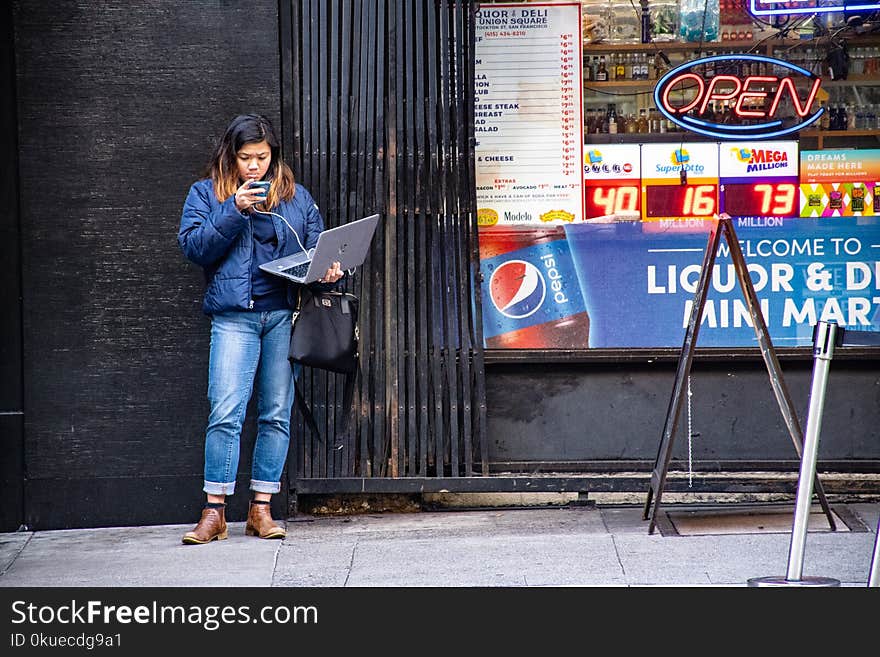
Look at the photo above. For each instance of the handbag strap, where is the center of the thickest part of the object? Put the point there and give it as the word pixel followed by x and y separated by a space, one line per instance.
pixel 347 398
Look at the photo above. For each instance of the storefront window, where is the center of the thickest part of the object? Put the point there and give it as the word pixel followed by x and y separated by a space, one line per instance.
pixel 771 120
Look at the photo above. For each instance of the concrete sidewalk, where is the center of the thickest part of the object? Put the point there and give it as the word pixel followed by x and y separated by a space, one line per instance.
pixel 501 547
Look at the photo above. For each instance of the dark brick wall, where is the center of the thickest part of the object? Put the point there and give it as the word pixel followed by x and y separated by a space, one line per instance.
pixel 118 105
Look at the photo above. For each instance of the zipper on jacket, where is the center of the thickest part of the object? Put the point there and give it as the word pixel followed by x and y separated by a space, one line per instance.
pixel 250 229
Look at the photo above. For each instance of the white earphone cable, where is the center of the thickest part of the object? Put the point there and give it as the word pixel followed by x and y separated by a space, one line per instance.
pixel 304 250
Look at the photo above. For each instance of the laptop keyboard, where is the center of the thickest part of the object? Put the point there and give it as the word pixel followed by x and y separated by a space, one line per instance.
pixel 298 270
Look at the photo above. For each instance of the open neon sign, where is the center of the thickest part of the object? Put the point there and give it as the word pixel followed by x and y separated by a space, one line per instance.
pixel 785 7
pixel 685 96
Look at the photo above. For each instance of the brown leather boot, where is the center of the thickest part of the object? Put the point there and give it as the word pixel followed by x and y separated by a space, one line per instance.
pixel 211 526
pixel 260 523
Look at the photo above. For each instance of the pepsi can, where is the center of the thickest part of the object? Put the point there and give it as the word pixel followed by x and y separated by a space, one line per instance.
pixel 531 294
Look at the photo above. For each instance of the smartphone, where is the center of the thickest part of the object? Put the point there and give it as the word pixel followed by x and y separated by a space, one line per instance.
pixel 263 184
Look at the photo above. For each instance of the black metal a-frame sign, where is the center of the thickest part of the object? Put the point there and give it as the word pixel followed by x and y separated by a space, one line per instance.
pixel 723 226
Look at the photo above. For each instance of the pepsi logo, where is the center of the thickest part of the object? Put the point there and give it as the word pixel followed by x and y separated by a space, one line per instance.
pixel 517 289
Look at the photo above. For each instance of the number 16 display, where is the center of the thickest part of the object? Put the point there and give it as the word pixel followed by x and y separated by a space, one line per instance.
pixel 679 181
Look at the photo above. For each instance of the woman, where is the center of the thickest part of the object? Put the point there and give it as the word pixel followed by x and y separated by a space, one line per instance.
pixel 230 228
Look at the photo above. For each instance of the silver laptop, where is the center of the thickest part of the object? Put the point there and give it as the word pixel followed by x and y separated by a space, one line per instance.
pixel 347 244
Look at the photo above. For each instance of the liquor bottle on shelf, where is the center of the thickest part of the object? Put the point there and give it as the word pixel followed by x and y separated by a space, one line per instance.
pixel 642 122
pixel 640 70
pixel 653 120
pixel 630 126
pixel 825 119
pixel 620 72
pixel 658 67
pixel 842 118
pixel 710 66
pixel 602 71
pixel 611 118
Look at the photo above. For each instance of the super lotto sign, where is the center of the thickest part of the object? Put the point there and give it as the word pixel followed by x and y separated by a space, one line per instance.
pixel 784 7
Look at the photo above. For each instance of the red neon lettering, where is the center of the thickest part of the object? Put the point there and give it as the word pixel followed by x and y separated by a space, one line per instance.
pixel 712 95
pixel 743 91
pixel 681 78
pixel 786 83
pixel 746 94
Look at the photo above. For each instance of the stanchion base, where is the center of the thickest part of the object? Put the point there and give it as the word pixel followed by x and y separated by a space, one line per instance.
pixel 781 581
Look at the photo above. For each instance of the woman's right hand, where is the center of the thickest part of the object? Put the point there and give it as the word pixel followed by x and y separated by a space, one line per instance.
pixel 246 196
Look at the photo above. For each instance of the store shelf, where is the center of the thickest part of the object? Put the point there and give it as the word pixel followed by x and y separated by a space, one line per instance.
pixel 840 133
pixel 620 84
pixel 632 96
pixel 761 44
pixel 644 138
pixel 688 46
pixel 821 135
pixel 861 80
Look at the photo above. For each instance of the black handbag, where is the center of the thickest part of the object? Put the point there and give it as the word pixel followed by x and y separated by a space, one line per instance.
pixel 324 335
pixel 324 332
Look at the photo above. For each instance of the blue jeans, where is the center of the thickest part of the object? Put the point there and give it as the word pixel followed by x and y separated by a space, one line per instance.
pixel 245 346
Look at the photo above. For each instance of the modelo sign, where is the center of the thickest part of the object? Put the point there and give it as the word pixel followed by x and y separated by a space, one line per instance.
pixel 761 106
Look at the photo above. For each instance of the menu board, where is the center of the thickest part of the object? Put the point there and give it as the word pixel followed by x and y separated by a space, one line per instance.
pixel 840 183
pixel 528 114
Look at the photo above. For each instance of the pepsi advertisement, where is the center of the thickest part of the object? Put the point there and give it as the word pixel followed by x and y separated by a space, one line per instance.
pixel 531 291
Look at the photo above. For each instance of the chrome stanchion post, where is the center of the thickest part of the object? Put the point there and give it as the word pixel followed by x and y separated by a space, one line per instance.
pixel 824 338
pixel 874 576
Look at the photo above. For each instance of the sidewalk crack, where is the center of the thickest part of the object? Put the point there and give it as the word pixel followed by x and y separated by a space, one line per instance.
pixel 16 555
pixel 350 563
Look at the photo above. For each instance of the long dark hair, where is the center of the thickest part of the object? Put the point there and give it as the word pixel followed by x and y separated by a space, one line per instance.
pixel 223 168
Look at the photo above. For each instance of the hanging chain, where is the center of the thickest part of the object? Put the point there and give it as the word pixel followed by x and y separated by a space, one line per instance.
pixel 690 438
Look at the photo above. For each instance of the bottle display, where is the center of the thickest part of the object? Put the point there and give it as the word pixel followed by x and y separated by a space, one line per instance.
pixel 664 20
pixel 595 20
pixel 602 71
pixel 646 21
pixel 644 39
pixel 612 120
pixel 699 21
pixel 626 23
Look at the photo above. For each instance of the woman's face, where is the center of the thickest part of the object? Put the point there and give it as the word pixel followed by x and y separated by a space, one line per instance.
pixel 254 160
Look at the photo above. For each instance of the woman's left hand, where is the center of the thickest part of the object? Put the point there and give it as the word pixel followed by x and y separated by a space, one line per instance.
pixel 333 274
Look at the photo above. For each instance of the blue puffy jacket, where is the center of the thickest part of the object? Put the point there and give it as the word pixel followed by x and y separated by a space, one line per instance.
pixel 218 237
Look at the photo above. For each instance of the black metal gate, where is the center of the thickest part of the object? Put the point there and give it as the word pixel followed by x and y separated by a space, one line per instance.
pixel 377 116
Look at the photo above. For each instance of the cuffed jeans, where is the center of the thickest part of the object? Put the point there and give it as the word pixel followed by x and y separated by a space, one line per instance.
pixel 245 346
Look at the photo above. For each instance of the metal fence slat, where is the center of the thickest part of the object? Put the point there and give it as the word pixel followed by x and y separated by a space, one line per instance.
pixel 377 116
